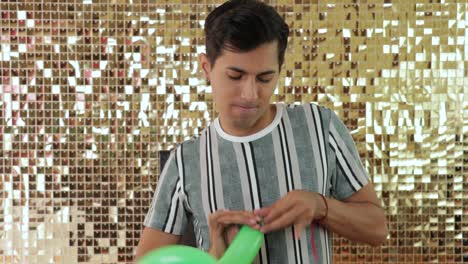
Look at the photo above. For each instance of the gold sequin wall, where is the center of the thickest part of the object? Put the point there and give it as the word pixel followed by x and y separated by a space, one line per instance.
pixel 90 91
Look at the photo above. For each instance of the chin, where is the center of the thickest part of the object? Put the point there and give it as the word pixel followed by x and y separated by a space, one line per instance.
pixel 245 122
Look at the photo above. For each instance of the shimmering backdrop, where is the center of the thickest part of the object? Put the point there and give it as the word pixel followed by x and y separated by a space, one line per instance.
pixel 92 90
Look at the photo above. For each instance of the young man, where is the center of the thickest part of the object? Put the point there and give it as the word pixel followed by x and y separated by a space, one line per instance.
pixel 294 168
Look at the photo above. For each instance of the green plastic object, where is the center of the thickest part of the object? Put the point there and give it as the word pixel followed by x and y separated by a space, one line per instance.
pixel 177 254
pixel 242 250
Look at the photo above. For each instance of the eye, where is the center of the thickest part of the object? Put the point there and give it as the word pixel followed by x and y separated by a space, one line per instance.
pixel 235 77
pixel 264 80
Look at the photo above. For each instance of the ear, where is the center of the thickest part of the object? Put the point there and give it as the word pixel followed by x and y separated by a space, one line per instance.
pixel 205 65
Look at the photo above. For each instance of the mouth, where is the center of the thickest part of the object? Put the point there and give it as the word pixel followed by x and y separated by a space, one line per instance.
pixel 246 108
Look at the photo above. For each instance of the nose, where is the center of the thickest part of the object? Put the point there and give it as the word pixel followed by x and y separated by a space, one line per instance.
pixel 249 90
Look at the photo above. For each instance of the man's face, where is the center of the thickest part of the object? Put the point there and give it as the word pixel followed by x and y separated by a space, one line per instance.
pixel 243 83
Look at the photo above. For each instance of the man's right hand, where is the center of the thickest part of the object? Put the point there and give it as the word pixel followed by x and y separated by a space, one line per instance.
pixel 223 228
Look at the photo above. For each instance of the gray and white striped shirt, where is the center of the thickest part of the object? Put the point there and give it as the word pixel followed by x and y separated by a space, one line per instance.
pixel 305 147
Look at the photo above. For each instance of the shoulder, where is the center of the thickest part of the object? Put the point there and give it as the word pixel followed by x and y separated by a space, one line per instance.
pixel 191 147
pixel 188 143
pixel 297 107
pixel 313 111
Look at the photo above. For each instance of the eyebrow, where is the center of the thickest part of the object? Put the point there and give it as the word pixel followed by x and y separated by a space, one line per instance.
pixel 242 71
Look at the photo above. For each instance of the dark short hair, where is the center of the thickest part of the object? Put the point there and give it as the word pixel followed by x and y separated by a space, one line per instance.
pixel 243 25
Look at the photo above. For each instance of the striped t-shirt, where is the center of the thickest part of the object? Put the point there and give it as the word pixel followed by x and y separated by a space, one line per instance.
pixel 305 147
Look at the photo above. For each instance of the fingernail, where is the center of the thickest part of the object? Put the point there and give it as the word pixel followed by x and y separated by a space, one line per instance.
pixel 252 221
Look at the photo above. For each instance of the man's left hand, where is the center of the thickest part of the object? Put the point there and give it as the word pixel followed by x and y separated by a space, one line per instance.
pixel 298 208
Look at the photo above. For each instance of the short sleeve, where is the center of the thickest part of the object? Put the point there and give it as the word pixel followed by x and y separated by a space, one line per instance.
pixel 349 174
pixel 167 212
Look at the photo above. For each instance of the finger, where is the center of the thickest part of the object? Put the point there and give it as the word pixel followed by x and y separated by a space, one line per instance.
pixel 214 226
pixel 238 217
pixel 231 233
pixel 236 220
pixel 213 217
pixel 216 214
pixel 284 220
pixel 262 212
pixel 298 230
pixel 277 209
pixel 222 213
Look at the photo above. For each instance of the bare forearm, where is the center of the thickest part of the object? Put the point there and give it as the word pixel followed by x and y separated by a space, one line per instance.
pixel 358 221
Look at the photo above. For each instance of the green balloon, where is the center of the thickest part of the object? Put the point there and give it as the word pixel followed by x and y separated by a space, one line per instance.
pixel 177 254
pixel 242 250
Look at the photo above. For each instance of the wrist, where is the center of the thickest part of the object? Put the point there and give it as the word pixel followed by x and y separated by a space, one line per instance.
pixel 216 251
pixel 321 208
